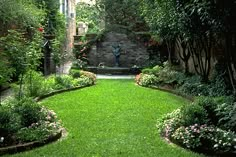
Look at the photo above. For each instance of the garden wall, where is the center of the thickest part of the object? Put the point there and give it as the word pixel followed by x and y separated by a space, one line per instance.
pixel 132 53
pixel 216 57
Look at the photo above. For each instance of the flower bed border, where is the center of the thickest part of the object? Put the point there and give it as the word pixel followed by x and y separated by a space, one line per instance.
pixel 169 141
pixel 31 145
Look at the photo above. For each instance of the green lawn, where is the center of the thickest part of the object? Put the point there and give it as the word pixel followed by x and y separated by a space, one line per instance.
pixel 112 118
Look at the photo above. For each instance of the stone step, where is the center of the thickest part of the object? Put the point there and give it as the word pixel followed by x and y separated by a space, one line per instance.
pixel 113 70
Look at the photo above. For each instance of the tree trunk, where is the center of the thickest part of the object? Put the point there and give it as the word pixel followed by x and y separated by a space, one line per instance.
pixel 194 53
pixel 169 45
pixel 185 56
pixel 230 60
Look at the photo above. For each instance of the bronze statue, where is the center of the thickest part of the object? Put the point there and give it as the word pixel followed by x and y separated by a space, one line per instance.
pixel 116 52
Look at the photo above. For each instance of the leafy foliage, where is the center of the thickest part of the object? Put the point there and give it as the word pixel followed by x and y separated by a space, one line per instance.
pixel 22 14
pixel 90 15
pixel 148 80
pixel 26 121
pixel 164 75
pixel 185 84
pixel 10 121
pixel 29 111
pixel 195 26
pixel 22 54
pixel 33 84
pixel 194 114
pixel 122 14
pixel 226 113
pixel 90 75
pixel 75 73
pixel 191 127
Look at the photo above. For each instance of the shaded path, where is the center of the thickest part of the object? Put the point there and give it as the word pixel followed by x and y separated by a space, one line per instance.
pixel 113 118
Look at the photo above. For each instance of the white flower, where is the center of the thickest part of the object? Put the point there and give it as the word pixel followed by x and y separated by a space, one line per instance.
pixel 1 139
pixel 216 145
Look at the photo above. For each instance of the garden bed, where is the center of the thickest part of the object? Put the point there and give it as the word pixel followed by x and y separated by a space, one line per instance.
pixel 11 149
pixel 30 145
pixel 207 125
pixel 170 89
pixel 26 124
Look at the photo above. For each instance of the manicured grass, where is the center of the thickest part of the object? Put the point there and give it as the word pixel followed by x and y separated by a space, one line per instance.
pixel 113 118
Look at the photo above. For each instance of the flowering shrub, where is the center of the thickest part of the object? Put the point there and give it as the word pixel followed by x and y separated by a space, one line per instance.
pixel 209 123
pixel 186 84
pixel 169 123
pixel 196 136
pixel 193 135
pixel 199 136
pixel 224 141
pixel 148 80
pixel 38 131
pixel 163 75
pixel 25 121
pixel 90 75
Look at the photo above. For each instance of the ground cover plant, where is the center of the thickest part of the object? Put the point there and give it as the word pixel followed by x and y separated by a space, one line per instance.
pixel 112 118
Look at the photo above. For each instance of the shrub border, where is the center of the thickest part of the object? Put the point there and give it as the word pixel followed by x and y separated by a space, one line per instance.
pixel 31 145
pixel 190 98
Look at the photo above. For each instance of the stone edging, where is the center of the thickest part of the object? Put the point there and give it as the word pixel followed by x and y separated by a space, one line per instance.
pixel 28 146
pixel 59 91
pixel 190 98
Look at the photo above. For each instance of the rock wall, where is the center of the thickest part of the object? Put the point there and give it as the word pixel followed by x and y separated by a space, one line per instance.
pixel 132 53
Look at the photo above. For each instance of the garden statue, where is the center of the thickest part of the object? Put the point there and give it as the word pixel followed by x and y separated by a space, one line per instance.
pixel 116 52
